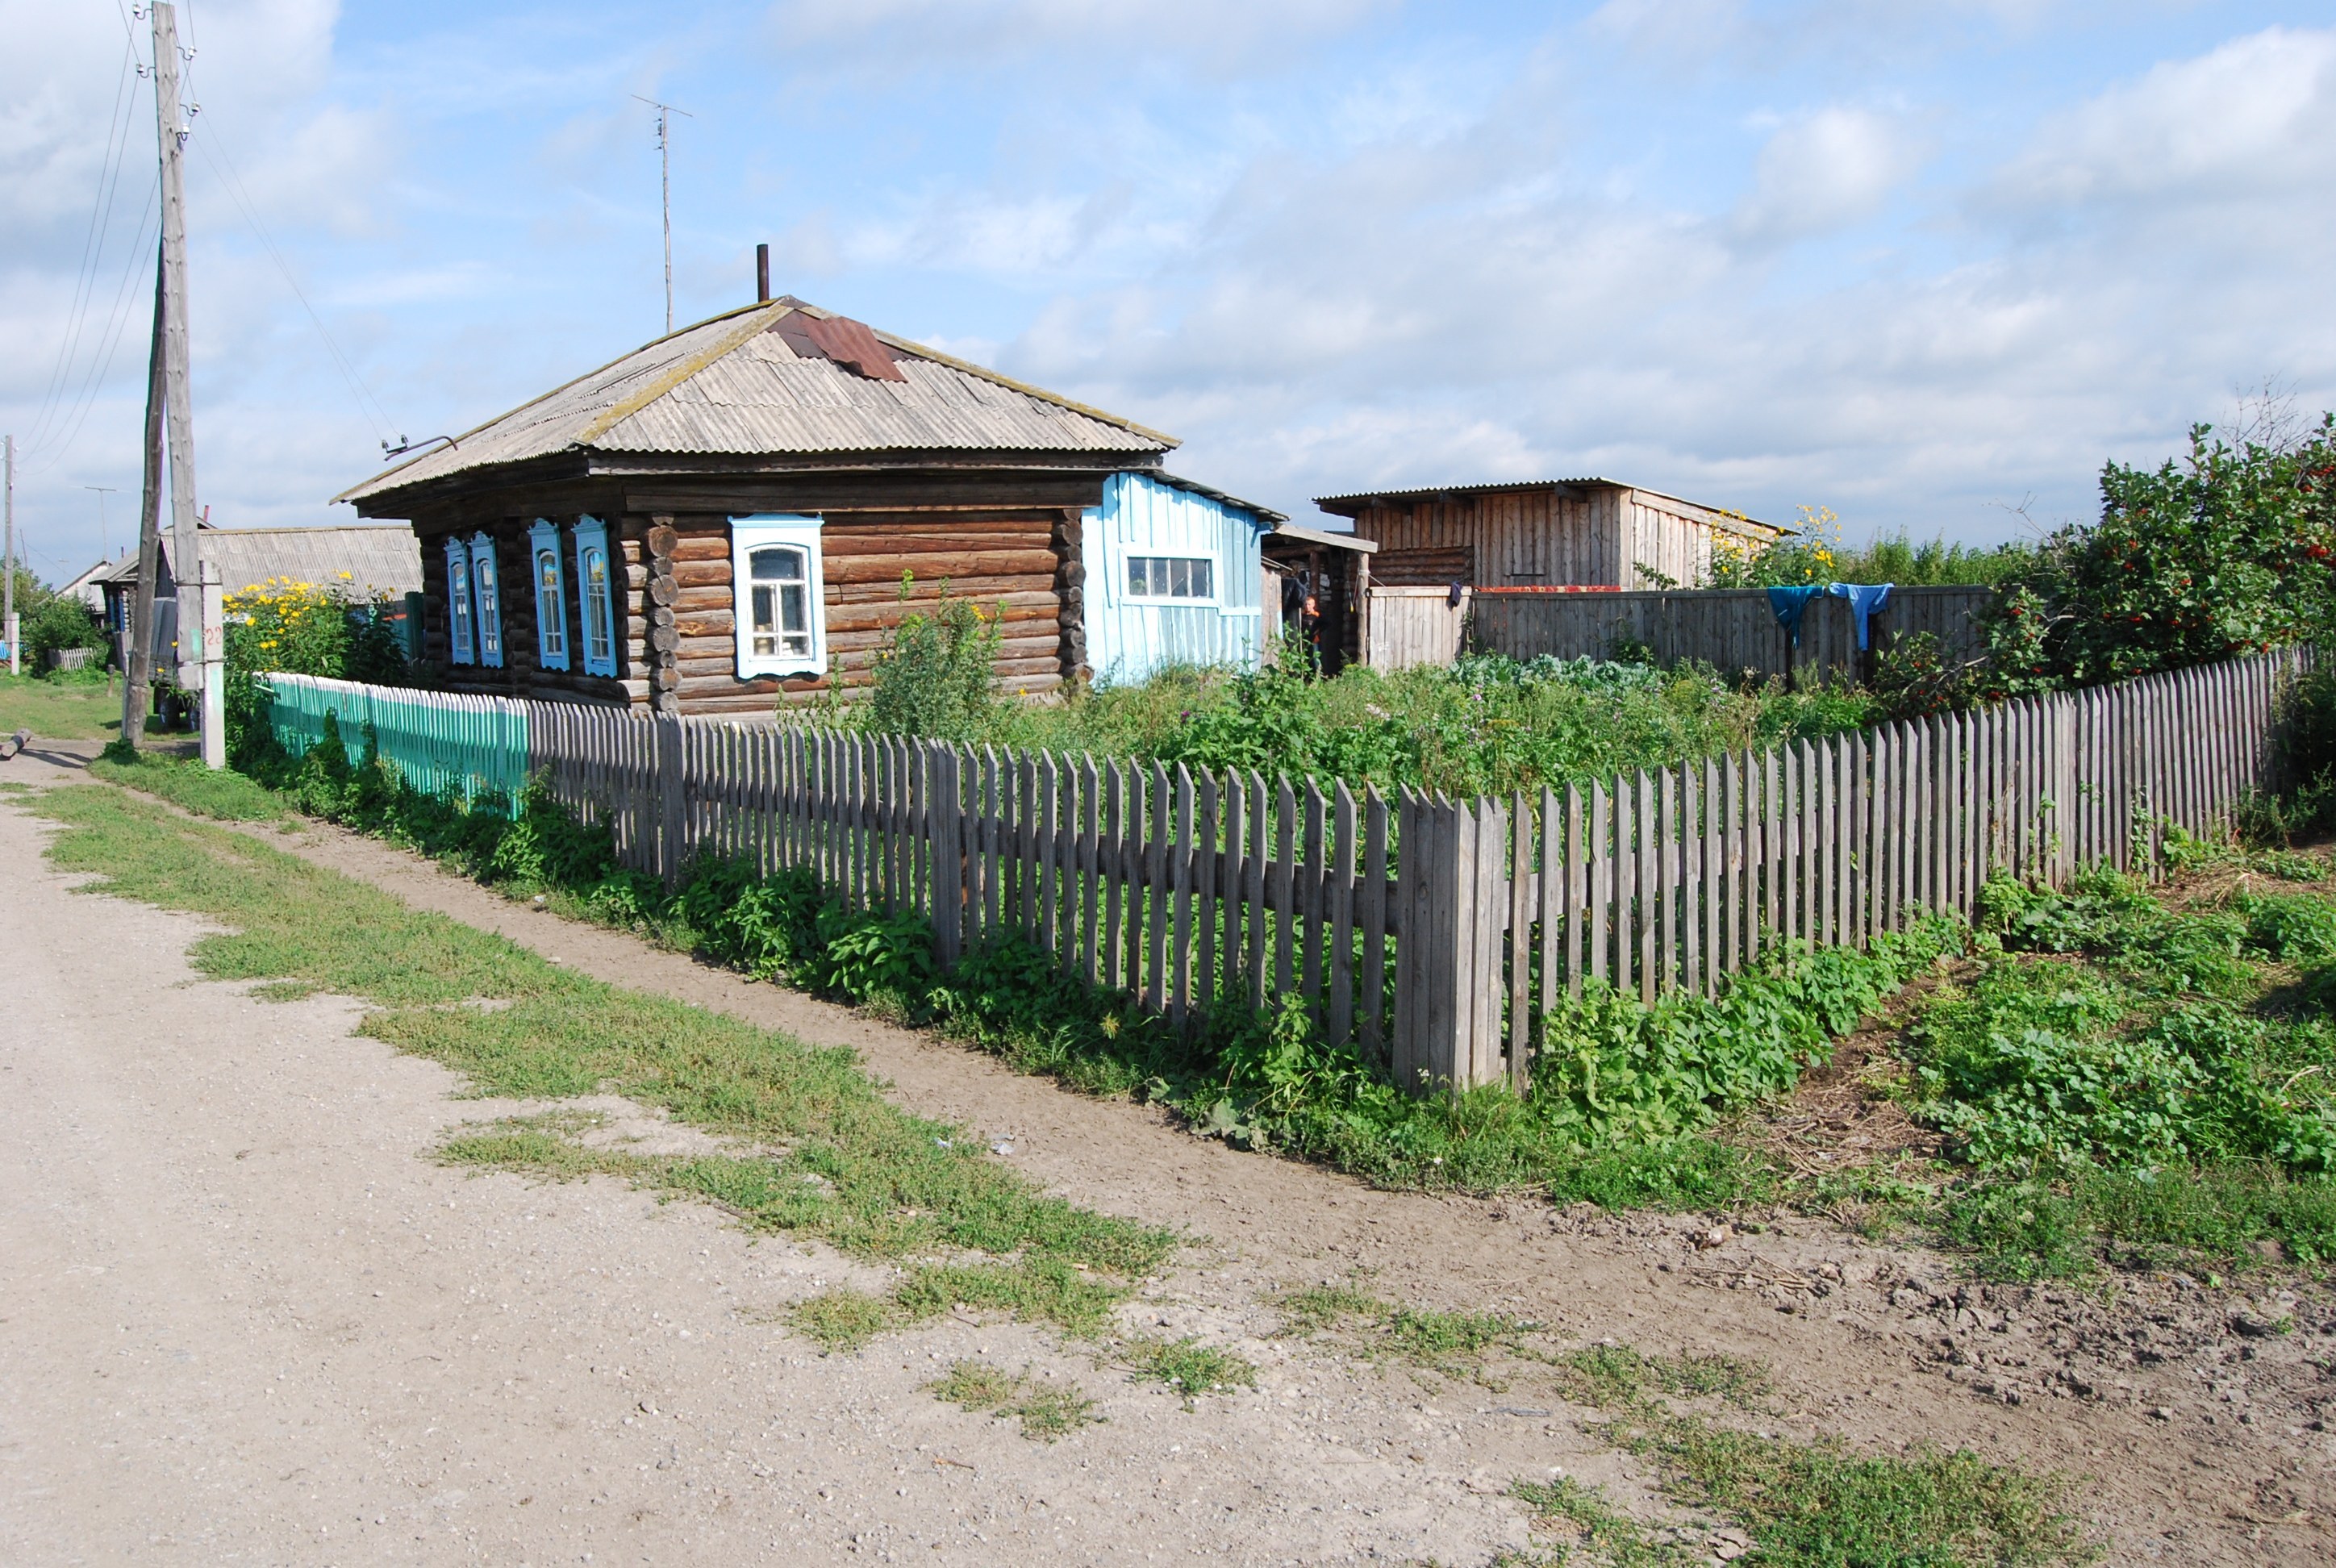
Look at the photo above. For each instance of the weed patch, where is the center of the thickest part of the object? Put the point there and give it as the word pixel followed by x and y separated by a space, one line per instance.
pixel 1188 1368
pixel 1814 1503
pixel 1046 1410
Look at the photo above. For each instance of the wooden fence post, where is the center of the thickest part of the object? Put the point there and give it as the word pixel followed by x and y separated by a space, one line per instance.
pixel 672 804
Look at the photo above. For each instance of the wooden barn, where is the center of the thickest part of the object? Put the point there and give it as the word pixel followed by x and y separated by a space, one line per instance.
pixel 1554 533
pixel 726 515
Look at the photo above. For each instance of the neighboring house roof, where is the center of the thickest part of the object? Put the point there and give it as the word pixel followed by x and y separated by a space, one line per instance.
pixel 1193 486
pixel 780 377
pixel 1298 534
pixel 1360 501
pixel 90 585
pixel 378 559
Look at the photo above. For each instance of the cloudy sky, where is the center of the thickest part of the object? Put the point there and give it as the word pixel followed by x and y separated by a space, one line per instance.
pixel 1921 261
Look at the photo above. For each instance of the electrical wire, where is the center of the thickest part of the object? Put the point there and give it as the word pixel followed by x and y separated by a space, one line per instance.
pixel 100 222
pixel 110 341
pixel 368 407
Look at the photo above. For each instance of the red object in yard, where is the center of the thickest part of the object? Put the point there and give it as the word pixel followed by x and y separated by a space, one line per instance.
pixel 1549 588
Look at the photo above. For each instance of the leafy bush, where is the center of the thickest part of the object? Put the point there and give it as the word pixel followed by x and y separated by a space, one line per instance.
pixel 1486 725
pixel 1914 678
pixel 299 628
pixel 2230 551
pixel 936 677
pixel 54 623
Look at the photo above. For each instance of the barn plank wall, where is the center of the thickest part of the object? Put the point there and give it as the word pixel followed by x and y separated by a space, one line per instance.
pixel 1732 630
pixel 1192 892
pixel 1546 537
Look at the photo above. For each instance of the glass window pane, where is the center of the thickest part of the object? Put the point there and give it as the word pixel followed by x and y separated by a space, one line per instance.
pixel 1203 585
pixel 1179 579
pixel 778 566
pixel 792 606
pixel 1137 585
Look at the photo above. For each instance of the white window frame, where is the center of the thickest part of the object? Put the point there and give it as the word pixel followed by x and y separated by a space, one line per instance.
pixel 591 535
pixel 1128 560
pixel 487 592
pixel 760 531
pixel 460 648
pixel 551 598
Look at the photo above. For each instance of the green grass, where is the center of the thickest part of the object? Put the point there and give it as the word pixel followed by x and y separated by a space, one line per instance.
pixel 823 1153
pixel 1452 1343
pixel 71 706
pixel 1585 1522
pixel 1046 1410
pixel 1816 1505
pixel 1609 1375
pixel 223 795
pixel 1189 1367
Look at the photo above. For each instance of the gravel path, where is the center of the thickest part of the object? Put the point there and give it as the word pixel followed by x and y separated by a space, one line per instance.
pixel 244 1318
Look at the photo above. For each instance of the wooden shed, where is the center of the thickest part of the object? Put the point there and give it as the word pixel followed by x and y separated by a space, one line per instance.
pixel 1550 534
pixel 726 515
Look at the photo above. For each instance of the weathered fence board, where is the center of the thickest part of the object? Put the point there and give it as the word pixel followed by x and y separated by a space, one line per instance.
pixel 1412 927
pixel 1731 628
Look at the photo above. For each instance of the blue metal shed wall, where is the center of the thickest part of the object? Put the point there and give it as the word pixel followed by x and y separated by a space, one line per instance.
pixel 1129 639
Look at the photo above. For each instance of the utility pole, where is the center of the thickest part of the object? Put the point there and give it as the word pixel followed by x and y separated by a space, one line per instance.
pixel 178 410
pixel 201 667
pixel 8 566
pixel 138 691
pixel 665 185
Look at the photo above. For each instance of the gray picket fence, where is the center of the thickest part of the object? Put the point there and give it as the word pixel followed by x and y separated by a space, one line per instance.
pixel 1435 935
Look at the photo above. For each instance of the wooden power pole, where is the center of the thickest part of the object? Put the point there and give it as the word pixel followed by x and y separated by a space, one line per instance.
pixel 8 568
pixel 138 692
pixel 177 409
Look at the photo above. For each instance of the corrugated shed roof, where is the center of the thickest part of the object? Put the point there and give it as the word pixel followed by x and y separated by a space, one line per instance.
pixel 1350 505
pixel 733 386
pixel 1178 481
pixel 378 560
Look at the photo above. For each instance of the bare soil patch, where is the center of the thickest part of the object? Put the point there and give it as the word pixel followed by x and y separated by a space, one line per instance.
pixel 2195 1421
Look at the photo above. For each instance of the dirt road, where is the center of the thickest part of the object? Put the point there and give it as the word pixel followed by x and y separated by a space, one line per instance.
pixel 247 1318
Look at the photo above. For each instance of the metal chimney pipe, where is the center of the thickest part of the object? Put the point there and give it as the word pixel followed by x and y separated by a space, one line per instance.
pixel 762 273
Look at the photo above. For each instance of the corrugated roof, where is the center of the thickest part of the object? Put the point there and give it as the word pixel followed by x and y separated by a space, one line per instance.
pixel 733 386
pixel 1178 481
pixel 1348 505
pixel 378 560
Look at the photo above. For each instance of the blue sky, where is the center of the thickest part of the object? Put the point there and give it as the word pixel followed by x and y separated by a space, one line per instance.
pixel 1921 261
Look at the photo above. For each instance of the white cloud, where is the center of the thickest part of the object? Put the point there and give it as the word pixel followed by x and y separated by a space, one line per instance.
pixel 2257 114
pixel 1824 171
pixel 896 32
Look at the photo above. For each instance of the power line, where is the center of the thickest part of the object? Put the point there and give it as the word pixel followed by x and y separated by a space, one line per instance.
pixel 110 338
pixel 368 407
pixel 100 222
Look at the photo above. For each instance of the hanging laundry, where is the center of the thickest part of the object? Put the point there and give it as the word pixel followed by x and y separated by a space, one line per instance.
pixel 1790 604
pixel 1865 601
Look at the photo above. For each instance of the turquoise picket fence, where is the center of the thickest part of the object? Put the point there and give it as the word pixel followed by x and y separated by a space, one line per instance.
pixel 443 744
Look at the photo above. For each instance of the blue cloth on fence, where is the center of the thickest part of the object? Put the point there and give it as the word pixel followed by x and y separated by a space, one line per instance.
pixel 1865 601
pixel 1790 604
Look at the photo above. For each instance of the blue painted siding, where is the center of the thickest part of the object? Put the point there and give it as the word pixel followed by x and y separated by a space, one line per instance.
pixel 1129 638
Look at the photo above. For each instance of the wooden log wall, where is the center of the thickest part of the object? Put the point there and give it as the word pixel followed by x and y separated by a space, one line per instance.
pixel 1735 630
pixel 677 600
pixel 1442 936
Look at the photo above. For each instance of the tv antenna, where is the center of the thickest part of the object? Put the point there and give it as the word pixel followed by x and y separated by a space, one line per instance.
pixel 104 542
pixel 665 183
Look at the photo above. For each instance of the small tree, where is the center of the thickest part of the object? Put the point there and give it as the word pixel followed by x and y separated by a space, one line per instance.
pixel 2231 550
pixel 935 677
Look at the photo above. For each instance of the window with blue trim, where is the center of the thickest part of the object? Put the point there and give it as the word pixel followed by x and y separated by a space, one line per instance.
pixel 781 609
pixel 486 593
pixel 595 595
pixel 551 599
pixel 458 602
